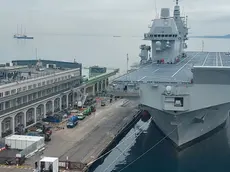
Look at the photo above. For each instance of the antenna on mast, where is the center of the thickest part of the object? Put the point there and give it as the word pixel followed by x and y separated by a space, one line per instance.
pixel 202 46
pixel 156 9
pixel 36 51
pixel 177 2
pixel 183 13
pixel 186 21
pixel 127 62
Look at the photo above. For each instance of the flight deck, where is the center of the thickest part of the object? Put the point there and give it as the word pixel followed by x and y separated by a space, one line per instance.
pixel 179 72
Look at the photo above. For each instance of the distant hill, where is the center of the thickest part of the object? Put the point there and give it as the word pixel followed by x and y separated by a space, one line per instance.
pixel 212 36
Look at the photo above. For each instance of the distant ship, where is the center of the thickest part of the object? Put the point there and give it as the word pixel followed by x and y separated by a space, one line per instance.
pixel 22 36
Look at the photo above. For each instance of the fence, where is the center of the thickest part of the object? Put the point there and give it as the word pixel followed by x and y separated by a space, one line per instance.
pixel 71 165
pixel 28 150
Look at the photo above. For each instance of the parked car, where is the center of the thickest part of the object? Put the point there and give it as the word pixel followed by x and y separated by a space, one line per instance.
pixel 80 116
pixel 72 122
pixel 103 103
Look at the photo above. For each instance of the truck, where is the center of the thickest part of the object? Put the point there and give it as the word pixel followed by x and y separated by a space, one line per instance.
pixel 80 116
pixel 79 104
pixel 47 136
pixel 93 108
pixel 103 102
pixel 87 111
pixel 72 122
pixel 40 129
pixel 54 118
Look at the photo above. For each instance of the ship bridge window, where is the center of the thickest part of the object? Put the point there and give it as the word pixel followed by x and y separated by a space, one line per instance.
pixel 175 35
pixel 162 35
pixel 19 90
pixel 1 106
pixel 13 91
pixel 159 35
pixel 178 101
pixel 24 88
pixel 170 35
pixel 155 35
pixel 7 93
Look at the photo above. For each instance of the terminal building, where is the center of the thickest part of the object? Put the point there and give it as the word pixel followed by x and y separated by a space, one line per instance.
pixel 32 89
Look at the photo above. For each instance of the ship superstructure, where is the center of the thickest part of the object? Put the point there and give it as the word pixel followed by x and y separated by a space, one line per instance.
pixel 167 35
pixel 185 92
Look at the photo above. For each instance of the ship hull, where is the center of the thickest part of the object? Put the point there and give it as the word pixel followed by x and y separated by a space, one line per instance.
pixel 187 127
pixel 24 37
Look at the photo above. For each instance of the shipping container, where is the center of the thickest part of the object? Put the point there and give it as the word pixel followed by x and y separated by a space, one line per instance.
pixel 21 142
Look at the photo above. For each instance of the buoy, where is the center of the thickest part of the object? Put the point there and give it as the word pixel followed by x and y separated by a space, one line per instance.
pixel 145 116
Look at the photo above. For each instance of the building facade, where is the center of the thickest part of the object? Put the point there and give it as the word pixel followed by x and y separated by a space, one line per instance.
pixel 25 101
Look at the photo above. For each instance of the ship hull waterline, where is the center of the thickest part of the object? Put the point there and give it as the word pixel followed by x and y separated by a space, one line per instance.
pixel 188 128
pixel 24 38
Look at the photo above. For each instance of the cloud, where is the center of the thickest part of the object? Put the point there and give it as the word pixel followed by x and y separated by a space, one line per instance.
pixel 125 16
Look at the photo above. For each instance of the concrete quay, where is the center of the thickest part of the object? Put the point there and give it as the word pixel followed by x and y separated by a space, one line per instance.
pixel 91 137
pixel 96 142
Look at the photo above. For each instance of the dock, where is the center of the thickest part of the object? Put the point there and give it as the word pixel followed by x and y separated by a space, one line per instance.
pixel 83 144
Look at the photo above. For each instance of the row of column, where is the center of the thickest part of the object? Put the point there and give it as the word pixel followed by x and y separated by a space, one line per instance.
pixel 44 108
pixel 99 86
pixel 30 116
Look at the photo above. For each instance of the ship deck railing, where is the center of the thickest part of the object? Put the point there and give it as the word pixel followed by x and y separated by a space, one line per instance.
pixel 152 82
pixel 124 93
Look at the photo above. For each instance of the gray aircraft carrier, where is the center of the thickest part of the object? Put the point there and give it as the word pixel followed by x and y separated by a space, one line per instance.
pixel 186 93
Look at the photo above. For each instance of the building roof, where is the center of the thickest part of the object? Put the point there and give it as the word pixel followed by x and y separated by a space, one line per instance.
pixel 61 64
pixel 24 138
pixel 28 69
pixel 49 159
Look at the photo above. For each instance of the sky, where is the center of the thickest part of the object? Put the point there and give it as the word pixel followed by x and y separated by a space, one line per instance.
pixel 112 17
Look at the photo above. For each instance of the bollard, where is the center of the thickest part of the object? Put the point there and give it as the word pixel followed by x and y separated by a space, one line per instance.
pixel 17 161
pixel 67 164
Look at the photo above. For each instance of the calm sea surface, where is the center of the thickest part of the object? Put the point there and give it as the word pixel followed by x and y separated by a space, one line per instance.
pixel 210 155
pixel 136 153
pixel 89 50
